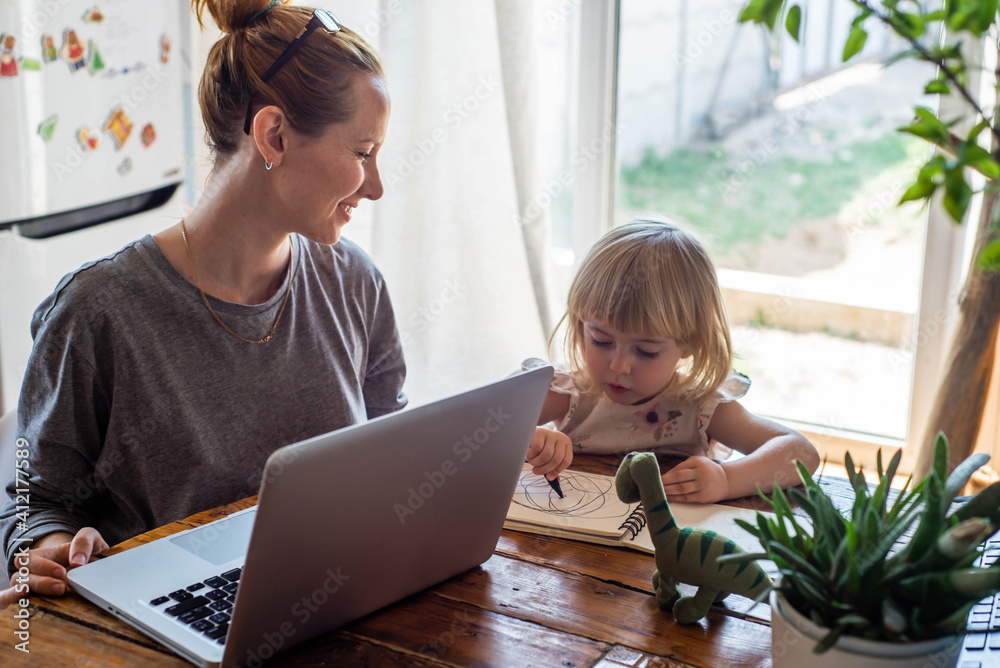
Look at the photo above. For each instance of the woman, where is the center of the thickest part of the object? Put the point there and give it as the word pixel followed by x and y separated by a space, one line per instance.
pixel 163 376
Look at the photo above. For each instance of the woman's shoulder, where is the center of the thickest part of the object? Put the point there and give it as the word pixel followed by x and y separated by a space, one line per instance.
pixel 344 258
pixel 94 288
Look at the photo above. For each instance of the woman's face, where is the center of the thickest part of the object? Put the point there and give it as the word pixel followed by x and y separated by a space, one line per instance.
pixel 328 176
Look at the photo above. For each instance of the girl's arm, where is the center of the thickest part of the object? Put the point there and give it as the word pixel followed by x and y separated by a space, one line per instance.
pixel 555 408
pixel 551 451
pixel 771 450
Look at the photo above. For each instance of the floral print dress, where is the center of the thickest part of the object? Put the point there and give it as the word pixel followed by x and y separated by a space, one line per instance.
pixel 664 425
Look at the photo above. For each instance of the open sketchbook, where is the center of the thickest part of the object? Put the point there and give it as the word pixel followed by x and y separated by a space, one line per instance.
pixel 591 512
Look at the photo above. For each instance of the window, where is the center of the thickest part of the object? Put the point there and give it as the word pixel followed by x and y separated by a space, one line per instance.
pixel 786 162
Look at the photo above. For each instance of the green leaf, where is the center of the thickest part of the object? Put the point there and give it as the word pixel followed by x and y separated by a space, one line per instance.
pixel 937 87
pixel 932 168
pixel 930 520
pixel 918 191
pixel 982 504
pixel 956 481
pixel 752 12
pixel 793 21
pixel 987 167
pixel 978 158
pixel 855 42
pixel 769 14
pixel 989 259
pixel 987 13
pixel 829 640
pixel 928 126
pixel 977 130
pixel 940 461
pixel 957 194
pixel 908 25
pixel 741 557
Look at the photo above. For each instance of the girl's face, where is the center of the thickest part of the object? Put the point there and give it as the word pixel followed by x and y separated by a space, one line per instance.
pixel 629 368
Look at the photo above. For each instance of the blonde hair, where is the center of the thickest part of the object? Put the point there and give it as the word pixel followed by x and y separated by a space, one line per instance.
pixel 652 278
pixel 312 88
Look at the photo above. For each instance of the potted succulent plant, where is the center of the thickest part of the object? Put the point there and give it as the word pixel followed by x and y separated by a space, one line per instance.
pixel 893 578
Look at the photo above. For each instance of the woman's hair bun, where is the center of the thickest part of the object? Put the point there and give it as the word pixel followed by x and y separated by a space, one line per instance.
pixel 229 15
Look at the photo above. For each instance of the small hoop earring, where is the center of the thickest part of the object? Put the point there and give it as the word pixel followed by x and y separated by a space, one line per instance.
pixel 268 165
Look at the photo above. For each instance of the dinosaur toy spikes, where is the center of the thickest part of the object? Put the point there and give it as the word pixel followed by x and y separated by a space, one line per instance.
pixel 689 554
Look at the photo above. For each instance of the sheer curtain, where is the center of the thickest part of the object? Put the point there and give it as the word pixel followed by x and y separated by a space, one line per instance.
pixel 464 264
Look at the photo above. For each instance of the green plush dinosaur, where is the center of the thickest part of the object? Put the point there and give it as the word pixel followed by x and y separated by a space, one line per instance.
pixel 685 555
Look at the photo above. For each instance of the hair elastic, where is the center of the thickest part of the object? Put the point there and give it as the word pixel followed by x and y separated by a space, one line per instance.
pixel 269 5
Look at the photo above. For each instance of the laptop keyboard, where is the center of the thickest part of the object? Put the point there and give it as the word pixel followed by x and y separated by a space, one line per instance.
pixel 204 606
pixel 982 650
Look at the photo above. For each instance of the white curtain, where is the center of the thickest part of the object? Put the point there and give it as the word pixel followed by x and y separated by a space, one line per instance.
pixel 464 265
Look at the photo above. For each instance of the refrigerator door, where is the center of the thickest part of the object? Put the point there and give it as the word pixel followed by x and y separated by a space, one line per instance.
pixel 92 116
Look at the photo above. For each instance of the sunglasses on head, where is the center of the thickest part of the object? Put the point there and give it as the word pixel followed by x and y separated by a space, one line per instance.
pixel 320 19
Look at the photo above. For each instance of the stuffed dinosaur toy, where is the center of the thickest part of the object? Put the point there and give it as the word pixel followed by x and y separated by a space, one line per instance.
pixel 685 555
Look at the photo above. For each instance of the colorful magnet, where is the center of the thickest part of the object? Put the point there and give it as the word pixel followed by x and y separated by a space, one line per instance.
pixel 72 50
pixel 49 53
pixel 148 135
pixel 93 15
pixel 164 49
pixel 125 167
pixel 48 127
pixel 119 127
pixel 31 64
pixel 8 62
pixel 94 61
pixel 87 139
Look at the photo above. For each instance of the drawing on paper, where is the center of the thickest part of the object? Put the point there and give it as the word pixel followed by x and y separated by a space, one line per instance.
pixel 592 497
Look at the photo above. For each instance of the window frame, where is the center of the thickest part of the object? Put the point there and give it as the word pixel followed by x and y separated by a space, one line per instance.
pixel 945 244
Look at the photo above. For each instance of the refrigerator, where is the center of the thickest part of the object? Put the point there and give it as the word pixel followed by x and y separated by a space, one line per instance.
pixel 93 142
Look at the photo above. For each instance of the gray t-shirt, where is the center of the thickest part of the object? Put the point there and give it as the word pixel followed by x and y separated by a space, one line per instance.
pixel 138 409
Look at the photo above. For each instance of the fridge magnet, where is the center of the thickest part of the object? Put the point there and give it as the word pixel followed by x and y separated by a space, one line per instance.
pixel 93 15
pixel 86 139
pixel 31 64
pixel 119 126
pixel 125 167
pixel 48 127
pixel 49 53
pixel 8 62
pixel 94 61
pixel 72 50
pixel 164 49
pixel 148 135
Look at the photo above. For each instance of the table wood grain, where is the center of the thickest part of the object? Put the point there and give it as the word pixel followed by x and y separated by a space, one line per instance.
pixel 538 601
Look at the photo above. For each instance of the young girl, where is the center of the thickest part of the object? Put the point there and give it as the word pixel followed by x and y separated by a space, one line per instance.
pixel 651 369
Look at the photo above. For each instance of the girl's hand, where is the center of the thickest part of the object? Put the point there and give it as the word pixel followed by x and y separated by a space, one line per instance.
pixel 47 563
pixel 551 452
pixel 696 480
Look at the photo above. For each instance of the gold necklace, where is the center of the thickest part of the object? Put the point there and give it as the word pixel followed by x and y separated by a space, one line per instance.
pixel 288 291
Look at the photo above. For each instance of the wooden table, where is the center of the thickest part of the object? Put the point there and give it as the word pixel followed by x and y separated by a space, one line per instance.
pixel 537 601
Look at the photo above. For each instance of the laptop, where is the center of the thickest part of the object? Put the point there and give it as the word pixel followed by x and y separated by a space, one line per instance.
pixel 346 523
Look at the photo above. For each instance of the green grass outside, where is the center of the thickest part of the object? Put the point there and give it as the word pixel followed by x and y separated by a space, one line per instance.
pixel 734 200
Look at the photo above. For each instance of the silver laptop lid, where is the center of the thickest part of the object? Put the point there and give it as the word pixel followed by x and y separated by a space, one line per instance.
pixel 351 521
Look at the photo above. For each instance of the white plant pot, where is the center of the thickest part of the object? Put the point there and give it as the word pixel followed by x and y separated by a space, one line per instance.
pixel 794 636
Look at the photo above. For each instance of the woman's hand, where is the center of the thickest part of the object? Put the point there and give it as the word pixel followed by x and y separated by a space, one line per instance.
pixel 551 452
pixel 696 480
pixel 48 562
